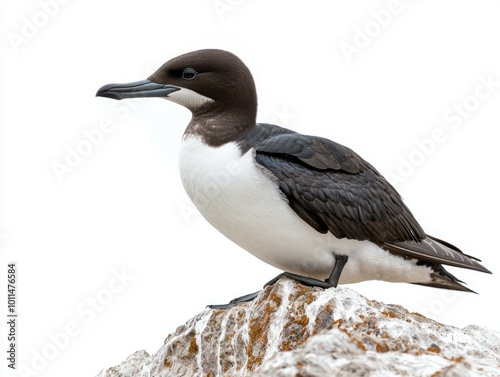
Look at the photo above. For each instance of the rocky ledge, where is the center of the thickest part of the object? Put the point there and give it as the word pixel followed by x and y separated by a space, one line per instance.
pixel 291 330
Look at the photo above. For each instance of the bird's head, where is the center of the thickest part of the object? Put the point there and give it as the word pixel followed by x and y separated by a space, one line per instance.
pixel 206 82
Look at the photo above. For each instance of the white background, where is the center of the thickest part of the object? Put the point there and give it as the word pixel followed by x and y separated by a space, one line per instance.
pixel 122 209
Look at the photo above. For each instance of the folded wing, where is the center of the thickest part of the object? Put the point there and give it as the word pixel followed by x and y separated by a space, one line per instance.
pixel 335 190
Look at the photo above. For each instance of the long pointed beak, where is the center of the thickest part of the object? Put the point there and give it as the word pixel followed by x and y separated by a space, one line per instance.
pixel 143 88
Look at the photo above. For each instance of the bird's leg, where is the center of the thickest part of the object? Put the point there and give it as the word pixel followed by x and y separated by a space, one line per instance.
pixel 331 281
pixel 340 261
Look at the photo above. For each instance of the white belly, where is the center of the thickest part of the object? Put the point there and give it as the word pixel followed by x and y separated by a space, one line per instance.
pixel 234 195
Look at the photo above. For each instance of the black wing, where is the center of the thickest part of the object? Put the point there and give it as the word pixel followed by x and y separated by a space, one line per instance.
pixel 333 189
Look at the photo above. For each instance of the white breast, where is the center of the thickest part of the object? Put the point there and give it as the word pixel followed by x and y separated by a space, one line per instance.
pixel 238 198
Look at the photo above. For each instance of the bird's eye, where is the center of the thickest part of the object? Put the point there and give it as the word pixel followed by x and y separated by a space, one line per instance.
pixel 189 74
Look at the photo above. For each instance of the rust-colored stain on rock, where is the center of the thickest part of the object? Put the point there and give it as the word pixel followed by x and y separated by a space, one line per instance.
pixel 193 347
pixel 167 363
pixel 258 329
pixel 434 348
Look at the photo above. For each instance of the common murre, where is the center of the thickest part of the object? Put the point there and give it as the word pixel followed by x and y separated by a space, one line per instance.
pixel 304 204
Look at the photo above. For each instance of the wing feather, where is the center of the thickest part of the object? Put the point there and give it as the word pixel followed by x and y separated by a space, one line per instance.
pixel 360 205
pixel 333 189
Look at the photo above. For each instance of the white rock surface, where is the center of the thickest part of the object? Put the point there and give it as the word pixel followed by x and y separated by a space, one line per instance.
pixel 291 330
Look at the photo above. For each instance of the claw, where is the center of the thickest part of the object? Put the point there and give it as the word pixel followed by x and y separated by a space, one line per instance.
pixel 235 301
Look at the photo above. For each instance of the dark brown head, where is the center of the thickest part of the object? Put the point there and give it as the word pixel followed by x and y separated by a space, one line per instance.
pixel 212 84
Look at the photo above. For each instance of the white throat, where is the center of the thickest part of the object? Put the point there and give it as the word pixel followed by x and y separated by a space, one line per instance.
pixel 188 98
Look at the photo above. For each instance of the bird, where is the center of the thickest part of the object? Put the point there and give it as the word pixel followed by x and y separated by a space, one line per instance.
pixel 309 206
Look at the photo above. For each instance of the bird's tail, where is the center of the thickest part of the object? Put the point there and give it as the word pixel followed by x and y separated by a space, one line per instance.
pixel 447 281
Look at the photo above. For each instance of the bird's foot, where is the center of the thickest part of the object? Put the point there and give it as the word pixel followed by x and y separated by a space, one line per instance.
pixel 238 300
pixel 312 282
pixel 331 281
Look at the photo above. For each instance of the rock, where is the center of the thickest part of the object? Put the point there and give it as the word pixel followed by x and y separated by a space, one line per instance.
pixel 291 330
pixel 130 367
